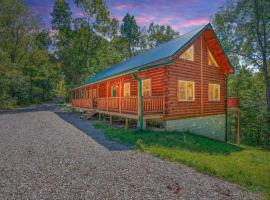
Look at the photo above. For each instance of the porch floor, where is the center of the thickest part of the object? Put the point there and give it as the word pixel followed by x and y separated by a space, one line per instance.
pixel 146 116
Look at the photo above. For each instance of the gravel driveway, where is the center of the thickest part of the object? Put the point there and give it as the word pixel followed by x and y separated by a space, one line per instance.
pixel 48 154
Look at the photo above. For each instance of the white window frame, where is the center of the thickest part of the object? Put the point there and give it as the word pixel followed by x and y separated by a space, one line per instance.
pixel 186 90
pixel 150 86
pixel 127 84
pixel 182 56
pixel 214 91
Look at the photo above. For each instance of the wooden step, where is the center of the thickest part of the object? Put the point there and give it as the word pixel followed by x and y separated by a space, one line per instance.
pixel 88 115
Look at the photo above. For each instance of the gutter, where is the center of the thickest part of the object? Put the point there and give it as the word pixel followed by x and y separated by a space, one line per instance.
pixel 134 76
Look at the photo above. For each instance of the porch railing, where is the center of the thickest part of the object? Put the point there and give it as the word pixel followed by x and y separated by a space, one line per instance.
pixel 152 104
pixel 82 103
pixel 129 104
pixel 234 102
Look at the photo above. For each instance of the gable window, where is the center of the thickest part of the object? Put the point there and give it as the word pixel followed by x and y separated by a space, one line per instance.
pixel 186 90
pixel 188 54
pixel 146 86
pixel 211 59
pixel 126 89
pixel 113 91
pixel 214 92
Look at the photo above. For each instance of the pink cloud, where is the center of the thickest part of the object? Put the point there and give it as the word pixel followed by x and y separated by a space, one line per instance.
pixel 165 20
pixel 144 19
pixel 123 6
pixel 195 22
pixel 185 25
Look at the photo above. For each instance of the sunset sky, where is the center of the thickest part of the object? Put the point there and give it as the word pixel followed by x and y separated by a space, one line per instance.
pixel 182 15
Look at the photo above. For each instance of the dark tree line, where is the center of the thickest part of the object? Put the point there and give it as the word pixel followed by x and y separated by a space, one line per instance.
pixel 38 64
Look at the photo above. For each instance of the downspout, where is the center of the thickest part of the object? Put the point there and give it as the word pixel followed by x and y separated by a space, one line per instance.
pixel 226 120
pixel 134 76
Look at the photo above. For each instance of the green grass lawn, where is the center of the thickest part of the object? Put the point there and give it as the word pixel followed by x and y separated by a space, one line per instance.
pixel 247 166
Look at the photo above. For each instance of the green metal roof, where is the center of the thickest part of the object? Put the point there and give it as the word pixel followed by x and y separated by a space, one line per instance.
pixel 165 50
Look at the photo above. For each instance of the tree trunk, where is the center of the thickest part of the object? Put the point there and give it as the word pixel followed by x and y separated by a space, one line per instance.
pixel 31 89
pixel 267 84
pixel 129 49
pixel 261 37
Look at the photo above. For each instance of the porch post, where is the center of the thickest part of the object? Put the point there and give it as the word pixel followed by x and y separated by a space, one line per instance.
pixel 140 101
pixel 120 96
pixel 226 112
pixel 107 98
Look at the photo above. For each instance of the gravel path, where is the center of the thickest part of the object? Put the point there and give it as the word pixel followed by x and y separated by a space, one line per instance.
pixel 47 154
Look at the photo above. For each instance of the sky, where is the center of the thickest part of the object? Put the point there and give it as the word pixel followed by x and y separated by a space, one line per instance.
pixel 182 15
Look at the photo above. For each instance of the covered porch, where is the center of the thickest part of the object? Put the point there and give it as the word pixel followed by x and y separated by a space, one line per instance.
pixel 122 105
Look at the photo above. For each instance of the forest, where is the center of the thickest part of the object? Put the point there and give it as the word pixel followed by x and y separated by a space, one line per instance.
pixel 39 63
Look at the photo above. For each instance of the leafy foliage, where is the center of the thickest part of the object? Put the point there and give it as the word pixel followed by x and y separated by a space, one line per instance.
pixel 27 69
pixel 243 27
pixel 160 34
pixel 61 16
pixel 130 32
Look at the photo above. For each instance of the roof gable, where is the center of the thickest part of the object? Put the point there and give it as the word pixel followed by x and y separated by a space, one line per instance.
pixel 163 51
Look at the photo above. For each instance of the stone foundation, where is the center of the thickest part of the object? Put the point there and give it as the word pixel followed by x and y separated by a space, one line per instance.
pixel 210 126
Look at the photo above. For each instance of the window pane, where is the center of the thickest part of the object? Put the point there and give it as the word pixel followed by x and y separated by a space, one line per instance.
pixel 211 92
pixel 214 92
pixel 211 59
pixel 126 89
pixel 190 91
pixel 217 92
pixel 188 54
pixel 146 86
pixel 182 90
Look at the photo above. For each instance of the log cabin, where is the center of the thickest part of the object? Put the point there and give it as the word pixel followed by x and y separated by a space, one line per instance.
pixel 181 82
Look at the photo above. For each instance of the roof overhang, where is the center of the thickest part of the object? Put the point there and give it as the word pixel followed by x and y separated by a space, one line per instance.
pixel 145 67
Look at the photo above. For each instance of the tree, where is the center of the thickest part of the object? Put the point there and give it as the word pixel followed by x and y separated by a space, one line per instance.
pixel 130 32
pixel 61 16
pixel 96 14
pixel 249 86
pixel 159 34
pixel 27 72
pixel 244 29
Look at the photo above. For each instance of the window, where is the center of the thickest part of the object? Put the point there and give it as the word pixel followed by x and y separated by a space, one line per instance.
pixel 113 91
pixel 94 93
pixel 188 54
pixel 211 59
pixel 214 92
pixel 186 90
pixel 146 86
pixel 126 89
